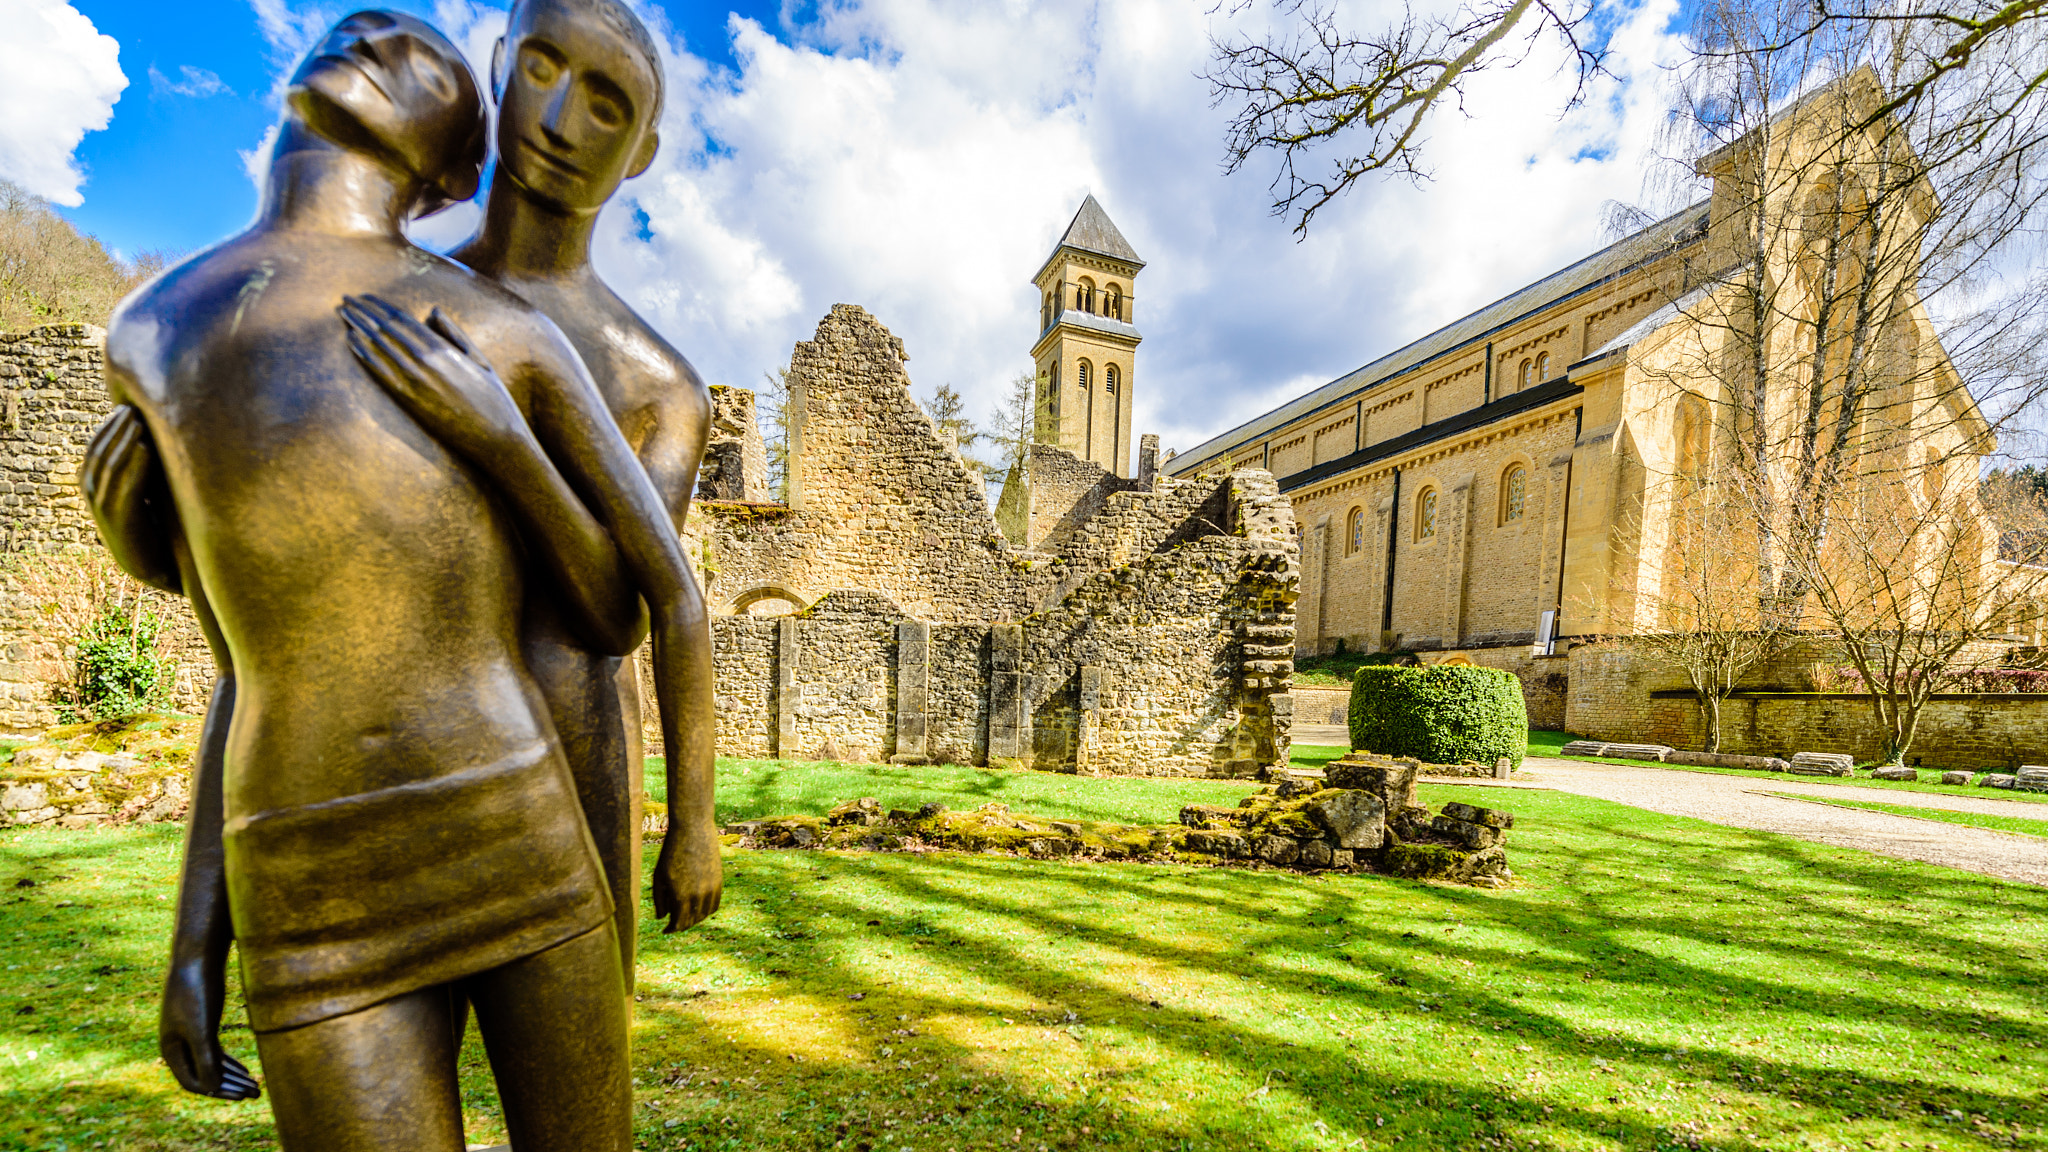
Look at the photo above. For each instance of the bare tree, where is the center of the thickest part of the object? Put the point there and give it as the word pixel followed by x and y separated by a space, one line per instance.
pixel 1919 618
pixel 1704 617
pixel 1864 293
pixel 1312 81
pixel 51 274
pixel 771 410
pixel 1866 321
pixel 1941 43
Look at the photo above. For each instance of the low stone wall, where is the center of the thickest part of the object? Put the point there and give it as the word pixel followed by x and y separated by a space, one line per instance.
pixel 1321 705
pixel 1976 731
pixel 1620 693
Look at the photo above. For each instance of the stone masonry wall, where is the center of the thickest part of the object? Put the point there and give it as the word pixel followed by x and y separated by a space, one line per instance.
pixel 1120 675
pixel 1161 646
pixel 52 399
pixel 1067 491
pixel 1620 693
pixel 878 499
pixel 735 465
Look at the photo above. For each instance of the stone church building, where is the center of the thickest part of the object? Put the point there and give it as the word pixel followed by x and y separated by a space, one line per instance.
pixel 1492 492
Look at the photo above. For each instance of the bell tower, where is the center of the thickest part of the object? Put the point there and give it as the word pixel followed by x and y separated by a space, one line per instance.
pixel 1087 342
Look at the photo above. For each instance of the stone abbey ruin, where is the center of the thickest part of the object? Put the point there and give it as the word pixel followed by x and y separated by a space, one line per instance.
pixel 1147 628
pixel 1142 626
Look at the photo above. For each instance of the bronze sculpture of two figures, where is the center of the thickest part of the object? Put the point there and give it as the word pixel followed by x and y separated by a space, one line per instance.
pixel 423 508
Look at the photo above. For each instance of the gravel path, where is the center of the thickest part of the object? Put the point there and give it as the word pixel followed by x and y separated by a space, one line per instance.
pixel 1735 802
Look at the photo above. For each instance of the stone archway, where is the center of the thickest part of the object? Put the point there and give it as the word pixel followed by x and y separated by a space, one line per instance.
pixel 763 594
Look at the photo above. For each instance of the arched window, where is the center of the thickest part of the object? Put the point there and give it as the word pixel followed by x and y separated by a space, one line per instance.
pixel 1514 494
pixel 1109 379
pixel 1354 537
pixel 1052 391
pixel 1081 375
pixel 1115 308
pixel 1528 373
pixel 1045 313
pixel 1425 515
pixel 1543 367
pixel 1084 295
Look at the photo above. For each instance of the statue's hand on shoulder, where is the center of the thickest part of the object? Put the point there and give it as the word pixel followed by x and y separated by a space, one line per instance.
pixel 188 1036
pixel 689 876
pixel 436 375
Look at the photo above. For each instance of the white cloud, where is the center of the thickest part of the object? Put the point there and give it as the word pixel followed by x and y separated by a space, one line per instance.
pixel 196 82
pixel 59 79
pixel 920 158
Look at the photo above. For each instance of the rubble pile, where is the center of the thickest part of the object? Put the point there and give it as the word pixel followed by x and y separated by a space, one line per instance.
pixel 1360 815
pixel 132 770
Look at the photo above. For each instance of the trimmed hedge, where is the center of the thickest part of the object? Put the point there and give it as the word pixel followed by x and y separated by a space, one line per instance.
pixel 1441 714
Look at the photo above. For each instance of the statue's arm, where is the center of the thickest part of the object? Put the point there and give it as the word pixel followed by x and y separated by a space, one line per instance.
pixel 195 987
pixel 688 873
pixel 575 426
pixel 124 484
pixel 435 372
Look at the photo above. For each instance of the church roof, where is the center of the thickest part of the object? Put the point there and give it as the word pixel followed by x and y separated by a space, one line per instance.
pixel 1091 231
pixel 1614 260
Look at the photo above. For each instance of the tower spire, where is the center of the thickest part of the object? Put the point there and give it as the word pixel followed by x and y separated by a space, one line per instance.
pixel 1087 343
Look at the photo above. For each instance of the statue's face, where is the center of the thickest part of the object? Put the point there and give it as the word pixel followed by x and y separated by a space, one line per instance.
pixel 387 83
pixel 574 103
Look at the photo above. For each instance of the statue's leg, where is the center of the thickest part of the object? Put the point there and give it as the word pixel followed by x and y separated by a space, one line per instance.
pixel 379 1080
pixel 554 1024
pixel 586 699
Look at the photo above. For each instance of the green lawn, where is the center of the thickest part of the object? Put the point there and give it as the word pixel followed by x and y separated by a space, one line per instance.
pixel 750 789
pixel 1650 983
pixel 1545 743
pixel 2023 825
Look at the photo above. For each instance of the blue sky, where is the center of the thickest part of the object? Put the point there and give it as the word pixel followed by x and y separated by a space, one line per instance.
pixel 917 157
pixel 168 172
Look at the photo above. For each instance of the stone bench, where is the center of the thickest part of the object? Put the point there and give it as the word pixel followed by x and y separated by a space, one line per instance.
pixel 1822 764
pixel 1656 752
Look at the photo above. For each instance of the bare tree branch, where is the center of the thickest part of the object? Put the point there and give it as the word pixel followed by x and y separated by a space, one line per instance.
pixel 1299 89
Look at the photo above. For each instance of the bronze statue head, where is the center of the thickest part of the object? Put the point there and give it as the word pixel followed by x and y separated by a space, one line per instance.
pixel 390 85
pixel 579 91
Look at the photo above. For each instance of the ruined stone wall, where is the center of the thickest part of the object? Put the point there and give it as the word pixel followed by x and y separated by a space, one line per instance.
pixel 54 574
pixel 1164 650
pixel 1130 524
pixel 735 464
pixel 878 499
pixel 1067 491
pixel 745 696
pixel 52 399
pixel 958 716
